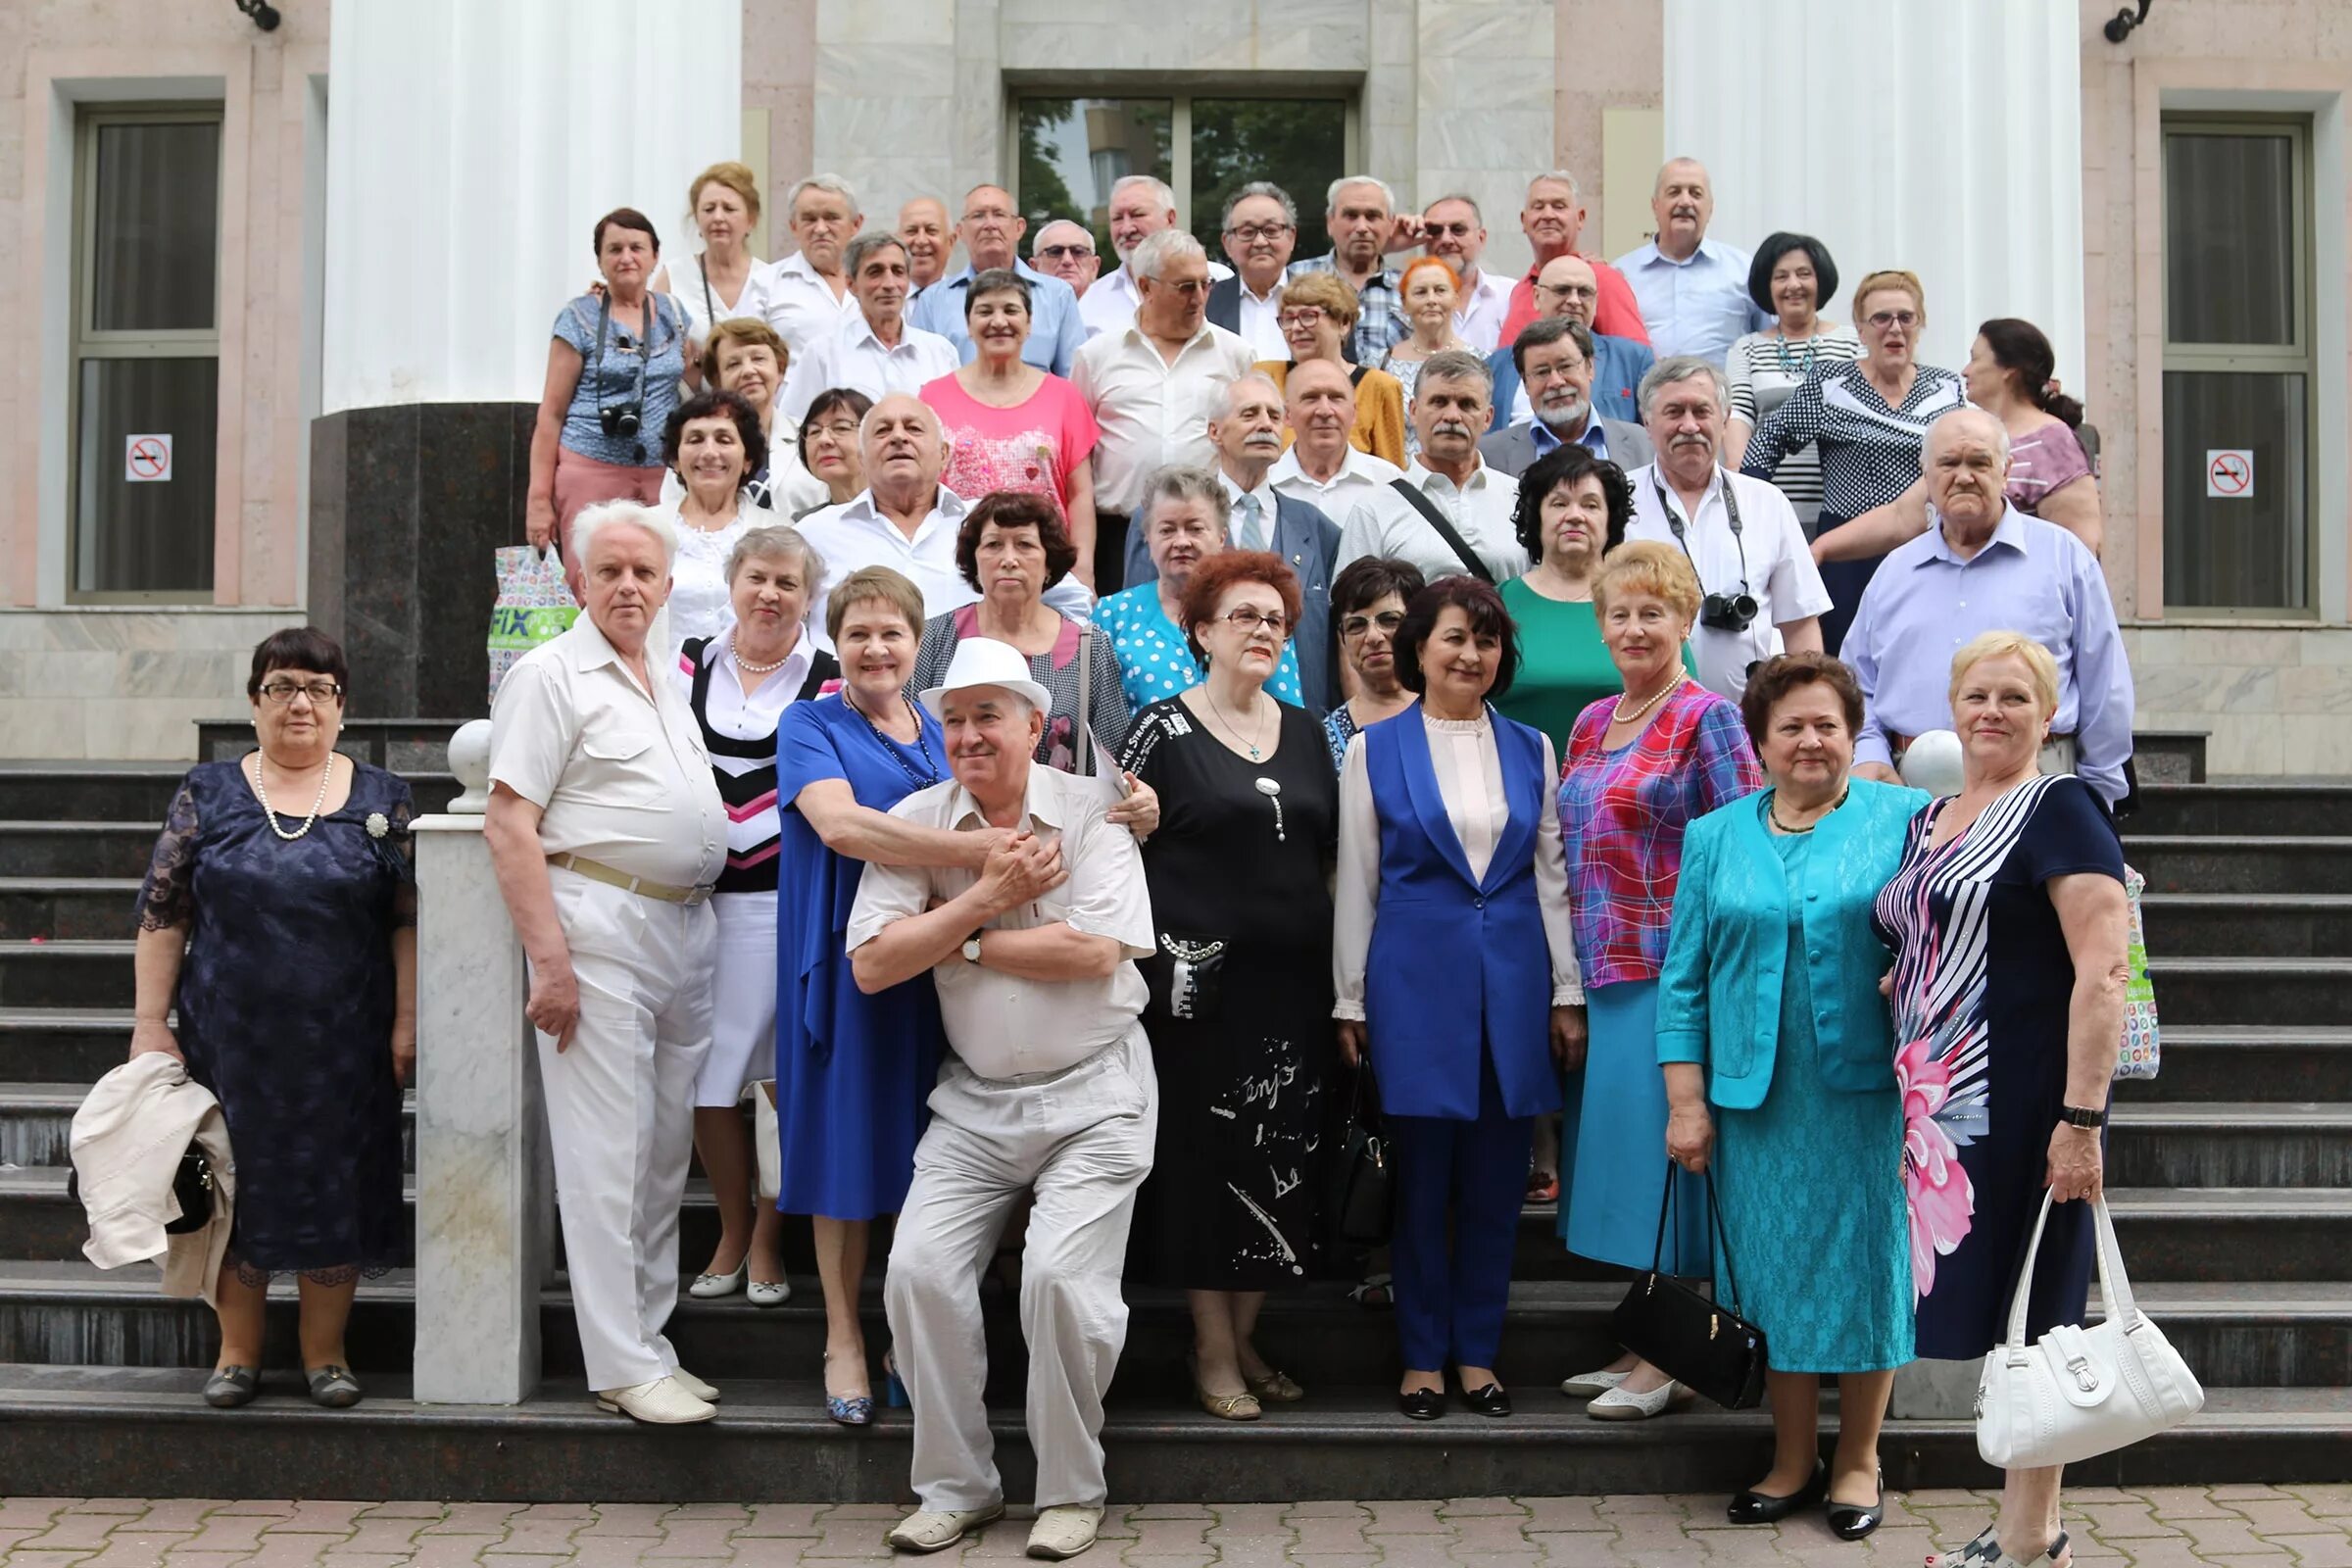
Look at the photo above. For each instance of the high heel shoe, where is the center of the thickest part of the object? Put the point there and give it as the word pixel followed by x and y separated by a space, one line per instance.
pixel 1752 1508
pixel 848 1409
pixel 707 1287
pixel 1850 1522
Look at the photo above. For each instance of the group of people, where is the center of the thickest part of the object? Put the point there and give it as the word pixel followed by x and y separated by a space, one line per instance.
pixel 1068 773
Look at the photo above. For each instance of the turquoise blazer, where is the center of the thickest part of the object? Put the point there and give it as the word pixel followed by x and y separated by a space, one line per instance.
pixel 1719 994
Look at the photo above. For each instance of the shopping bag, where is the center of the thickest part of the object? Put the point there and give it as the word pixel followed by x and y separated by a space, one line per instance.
pixel 2140 1054
pixel 533 605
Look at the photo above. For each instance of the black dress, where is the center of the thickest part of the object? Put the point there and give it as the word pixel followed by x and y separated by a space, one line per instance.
pixel 286 1010
pixel 1240 1017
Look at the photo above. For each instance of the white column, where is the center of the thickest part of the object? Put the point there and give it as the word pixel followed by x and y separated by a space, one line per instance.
pixel 470 149
pixel 1942 139
pixel 484 1185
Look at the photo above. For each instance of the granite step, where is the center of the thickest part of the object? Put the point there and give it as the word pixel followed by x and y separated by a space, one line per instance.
pixel 2303 807
pixel 2225 991
pixel 63 1045
pixel 51 850
pixel 67 973
pixel 2252 925
pixel 69 909
pixel 36 1123
pixel 2240 861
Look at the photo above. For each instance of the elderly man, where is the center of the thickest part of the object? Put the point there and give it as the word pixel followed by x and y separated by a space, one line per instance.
pixel 991 232
pixel 1360 217
pixel 1140 208
pixel 1151 386
pixel 1553 221
pixel 809 294
pixel 1049 1089
pixel 905 518
pixel 1246 433
pixel 1451 512
pixel 1065 249
pixel 607 834
pixel 923 226
pixel 875 352
pixel 1692 289
pixel 1323 468
pixel 1454 230
pixel 1260 229
pixel 1764 596
pixel 1987 566
pixel 1568 289
pixel 1553 361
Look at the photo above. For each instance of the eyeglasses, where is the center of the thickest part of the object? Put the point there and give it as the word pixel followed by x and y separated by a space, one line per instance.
pixel 1906 320
pixel 1457 231
pixel 1056 253
pixel 278 693
pixel 1251 234
pixel 1388 620
pixel 1247 621
pixel 1302 315
pixel 1569 290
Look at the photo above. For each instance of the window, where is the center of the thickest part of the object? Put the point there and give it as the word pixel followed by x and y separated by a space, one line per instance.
pixel 1073 150
pixel 2238 364
pixel 146 351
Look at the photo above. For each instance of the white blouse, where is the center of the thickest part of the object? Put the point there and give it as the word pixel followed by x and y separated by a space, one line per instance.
pixel 1469 768
pixel 700 605
pixel 705 305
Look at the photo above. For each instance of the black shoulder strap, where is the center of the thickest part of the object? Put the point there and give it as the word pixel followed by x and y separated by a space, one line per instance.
pixel 1446 532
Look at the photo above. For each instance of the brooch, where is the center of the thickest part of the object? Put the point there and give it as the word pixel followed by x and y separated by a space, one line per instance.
pixel 377 825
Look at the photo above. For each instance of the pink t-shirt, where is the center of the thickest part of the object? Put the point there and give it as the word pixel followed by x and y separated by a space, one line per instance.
pixel 1030 449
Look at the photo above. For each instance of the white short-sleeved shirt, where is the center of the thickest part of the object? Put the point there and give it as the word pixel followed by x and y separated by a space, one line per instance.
pixel 855 535
pixel 1479 322
pixel 802 306
pixel 1152 412
pixel 1002 1025
pixel 703 303
pixel 1359 474
pixel 1384 523
pixel 620 774
pixel 856 358
pixel 1779 568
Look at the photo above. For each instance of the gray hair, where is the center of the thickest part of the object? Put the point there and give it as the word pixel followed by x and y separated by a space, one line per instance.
pixel 1233 390
pixel 939 429
pixel 1148 259
pixel 1038 238
pixel 1466 199
pixel 1179 483
pixel 998 280
pixel 865 244
pixel 1679 368
pixel 832 184
pixel 776 541
pixel 1261 187
pixel 1969 411
pixel 1161 192
pixel 595 519
pixel 1455 365
pixel 1330 196
pixel 1556 176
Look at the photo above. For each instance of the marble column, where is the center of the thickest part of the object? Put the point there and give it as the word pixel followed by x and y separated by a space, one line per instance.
pixel 484 1182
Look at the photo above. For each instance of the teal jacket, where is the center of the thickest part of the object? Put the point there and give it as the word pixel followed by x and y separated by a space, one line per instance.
pixel 1719 994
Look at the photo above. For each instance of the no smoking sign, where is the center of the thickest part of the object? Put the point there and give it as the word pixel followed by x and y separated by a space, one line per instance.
pixel 2228 473
pixel 146 458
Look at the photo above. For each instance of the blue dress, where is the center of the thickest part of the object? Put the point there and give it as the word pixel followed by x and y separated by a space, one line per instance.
pixel 285 1006
pixel 852 1071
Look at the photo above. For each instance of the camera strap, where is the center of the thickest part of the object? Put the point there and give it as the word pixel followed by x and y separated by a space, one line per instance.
pixel 1435 517
pixel 645 352
pixel 1673 521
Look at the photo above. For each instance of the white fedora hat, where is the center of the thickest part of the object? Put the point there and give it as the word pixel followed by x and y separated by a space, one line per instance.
pixel 984 661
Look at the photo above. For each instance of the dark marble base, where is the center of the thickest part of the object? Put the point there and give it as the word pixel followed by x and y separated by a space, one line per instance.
pixel 406 504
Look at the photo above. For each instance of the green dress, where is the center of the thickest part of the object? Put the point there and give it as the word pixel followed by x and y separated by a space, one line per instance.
pixel 1564 667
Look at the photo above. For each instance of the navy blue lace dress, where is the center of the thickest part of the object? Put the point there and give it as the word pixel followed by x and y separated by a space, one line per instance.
pixel 286 1010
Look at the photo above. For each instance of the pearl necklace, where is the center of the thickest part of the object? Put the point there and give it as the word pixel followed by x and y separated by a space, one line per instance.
pixel 749 667
pixel 261 792
pixel 1619 716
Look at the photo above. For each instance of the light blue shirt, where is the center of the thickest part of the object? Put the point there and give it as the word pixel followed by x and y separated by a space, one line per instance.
pixel 1926 603
pixel 1594 440
pixel 1696 307
pixel 1054 330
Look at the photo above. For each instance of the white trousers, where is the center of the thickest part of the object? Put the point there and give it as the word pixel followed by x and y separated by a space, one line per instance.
pixel 743 1000
pixel 1083 1138
pixel 620 1115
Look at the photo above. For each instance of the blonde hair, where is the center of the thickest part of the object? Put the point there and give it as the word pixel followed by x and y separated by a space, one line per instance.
pixel 1647 567
pixel 2039 665
pixel 737 177
pixel 866 586
pixel 1878 282
pixel 1326 292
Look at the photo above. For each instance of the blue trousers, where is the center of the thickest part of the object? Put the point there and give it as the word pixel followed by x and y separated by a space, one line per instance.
pixel 1460 1186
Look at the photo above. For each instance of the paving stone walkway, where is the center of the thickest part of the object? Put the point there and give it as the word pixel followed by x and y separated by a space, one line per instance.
pixel 2165 1527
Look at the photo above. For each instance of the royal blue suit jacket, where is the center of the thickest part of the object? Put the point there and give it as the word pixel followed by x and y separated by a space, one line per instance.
pixel 1310 541
pixel 1618 366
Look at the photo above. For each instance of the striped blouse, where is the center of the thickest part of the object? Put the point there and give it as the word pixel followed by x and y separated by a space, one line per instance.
pixel 740 733
pixel 1869 449
pixel 1764 368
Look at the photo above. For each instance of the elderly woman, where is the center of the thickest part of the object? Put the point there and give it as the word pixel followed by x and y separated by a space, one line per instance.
pixel 2008 922
pixel 830 447
pixel 725 280
pixel 1318 313
pixel 1870 421
pixel 282 929
pixel 1769 1009
pixel 738 684
pixel 1449 864
pixel 1011 427
pixel 1184 518
pixel 1239 1010
pixel 712 442
pixel 1572 510
pixel 1430 289
pixel 612 372
pixel 747 357
pixel 1643 765
pixel 1791 280
pixel 1011 548
pixel 1367 606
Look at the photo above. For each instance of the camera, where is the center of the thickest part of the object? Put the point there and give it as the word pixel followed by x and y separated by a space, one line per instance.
pixel 1727 611
pixel 627 419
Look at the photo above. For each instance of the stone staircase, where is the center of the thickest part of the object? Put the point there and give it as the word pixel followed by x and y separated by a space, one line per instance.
pixel 2232 1180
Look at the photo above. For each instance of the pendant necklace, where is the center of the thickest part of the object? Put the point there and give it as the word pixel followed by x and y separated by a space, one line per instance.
pixel 261 793
pixel 1257 753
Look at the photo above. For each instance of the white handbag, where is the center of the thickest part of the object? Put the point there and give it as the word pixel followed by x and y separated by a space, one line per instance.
pixel 768 1140
pixel 2076 1393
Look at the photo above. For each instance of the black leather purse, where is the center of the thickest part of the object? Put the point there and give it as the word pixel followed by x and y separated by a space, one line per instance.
pixel 1705 1346
pixel 191 1187
pixel 1362 1200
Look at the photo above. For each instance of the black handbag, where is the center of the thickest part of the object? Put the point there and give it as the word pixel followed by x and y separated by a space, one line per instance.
pixel 1703 1345
pixel 191 1188
pixel 1362 1200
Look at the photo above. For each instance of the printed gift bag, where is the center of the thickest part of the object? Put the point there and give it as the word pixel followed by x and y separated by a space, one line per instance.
pixel 533 605
pixel 2140 1054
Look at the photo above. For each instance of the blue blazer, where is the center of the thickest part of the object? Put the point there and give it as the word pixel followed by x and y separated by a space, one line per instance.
pixel 1484 939
pixel 1618 367
pixel 1310 542
pixel 1719 993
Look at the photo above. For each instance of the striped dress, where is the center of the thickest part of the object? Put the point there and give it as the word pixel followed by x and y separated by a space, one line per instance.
pixel 1764 368
pixel 741 742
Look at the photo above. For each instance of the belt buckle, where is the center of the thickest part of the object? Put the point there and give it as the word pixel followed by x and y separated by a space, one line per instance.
pixel 699 894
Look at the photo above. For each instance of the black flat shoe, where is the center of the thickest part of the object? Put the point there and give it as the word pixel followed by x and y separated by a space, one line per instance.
pixel 1763 1508
pixel 333 1387
pixel 1492 1400
pixel 1422 1404
pixel 233 1386
pixel 1850 1523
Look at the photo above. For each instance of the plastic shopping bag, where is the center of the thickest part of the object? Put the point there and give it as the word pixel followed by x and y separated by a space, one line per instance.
pixel 533 605
pixel 2141 1052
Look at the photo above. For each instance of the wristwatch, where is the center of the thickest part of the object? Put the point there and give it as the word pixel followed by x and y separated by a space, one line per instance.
pixel 971 946
pixel 2077 1116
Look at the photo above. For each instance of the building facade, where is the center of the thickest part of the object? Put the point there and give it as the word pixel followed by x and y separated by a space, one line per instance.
pixel 284 295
